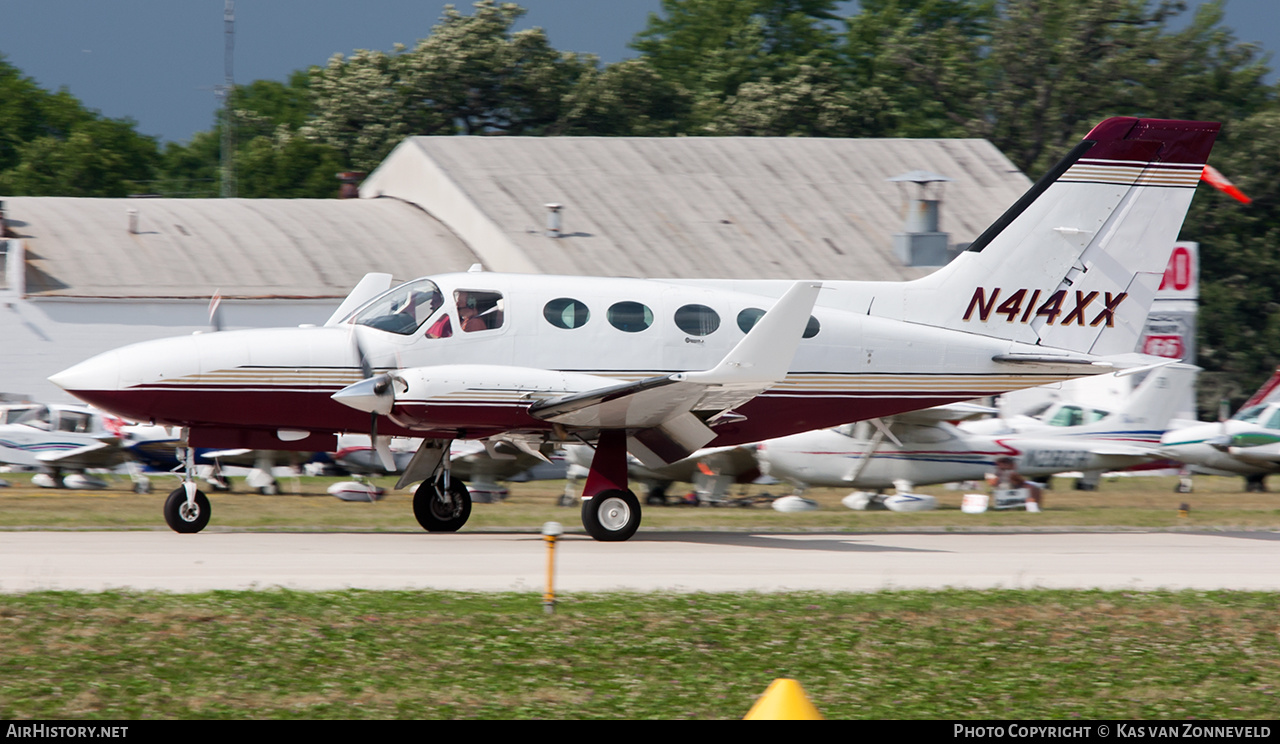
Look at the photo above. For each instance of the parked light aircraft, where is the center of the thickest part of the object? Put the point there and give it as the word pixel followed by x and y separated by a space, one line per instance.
pixel 1246 444
pixel 56 438
pixel 1058 287
pixel 929 449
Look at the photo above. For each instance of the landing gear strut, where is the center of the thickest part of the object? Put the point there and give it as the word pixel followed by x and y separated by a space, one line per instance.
pixel 441 509
pixel 187 509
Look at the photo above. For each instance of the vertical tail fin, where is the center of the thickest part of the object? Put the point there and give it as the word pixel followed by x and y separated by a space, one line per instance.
pixel 1269 391
pixel 1154 402
pixel 1075 263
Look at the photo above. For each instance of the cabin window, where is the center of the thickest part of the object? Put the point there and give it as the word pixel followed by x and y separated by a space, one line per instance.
pixel 631 317
pixel 1273 422
pixel 566 313
pixel 697 320
pixel 478 310
pixel 748 318
pixel 75 422
pixel 403 309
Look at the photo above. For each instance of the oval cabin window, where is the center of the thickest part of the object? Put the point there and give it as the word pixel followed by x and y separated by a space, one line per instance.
pixel 631 317
pixel 566 313
pixel 697 320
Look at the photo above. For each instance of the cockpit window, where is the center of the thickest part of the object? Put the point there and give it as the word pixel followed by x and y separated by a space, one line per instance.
pixel 1250 415
pixel 478 310
pixel 1273 421
pixel 37 417
pixel 403 309
pixel 1068 416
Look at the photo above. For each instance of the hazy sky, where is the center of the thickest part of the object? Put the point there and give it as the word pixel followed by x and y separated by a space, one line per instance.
pixel 158 61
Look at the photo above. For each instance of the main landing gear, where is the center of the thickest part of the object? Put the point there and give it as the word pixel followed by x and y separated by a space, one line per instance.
pixel 441 509
pixel 610 512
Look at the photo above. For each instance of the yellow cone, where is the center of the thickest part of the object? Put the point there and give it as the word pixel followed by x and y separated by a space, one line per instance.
pixel 783 701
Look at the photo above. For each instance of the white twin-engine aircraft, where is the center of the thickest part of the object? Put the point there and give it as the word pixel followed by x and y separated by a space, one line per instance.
pixel 1059 287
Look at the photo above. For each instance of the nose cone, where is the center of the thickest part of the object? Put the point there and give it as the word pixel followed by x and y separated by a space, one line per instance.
pixel 372 395
pixel 99 373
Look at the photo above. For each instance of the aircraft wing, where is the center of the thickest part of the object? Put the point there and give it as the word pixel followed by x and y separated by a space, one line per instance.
pixel 950 412
pixel 1122 450
pixel 1262 454
pixel 99 454
pixel 662 411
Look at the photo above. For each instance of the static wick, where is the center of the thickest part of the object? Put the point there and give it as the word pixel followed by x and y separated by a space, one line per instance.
pixel 551 531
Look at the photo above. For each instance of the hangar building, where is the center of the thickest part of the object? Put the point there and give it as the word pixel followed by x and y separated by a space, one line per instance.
pixel 81 276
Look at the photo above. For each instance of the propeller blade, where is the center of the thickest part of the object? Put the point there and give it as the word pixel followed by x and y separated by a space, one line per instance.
pixel 382 445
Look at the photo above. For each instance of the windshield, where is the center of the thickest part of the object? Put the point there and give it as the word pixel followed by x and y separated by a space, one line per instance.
pixel 1250 415
pixel 37 417
pixel 403 309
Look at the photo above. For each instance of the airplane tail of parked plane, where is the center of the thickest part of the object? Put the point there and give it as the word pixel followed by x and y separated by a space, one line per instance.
pixel 1075 263
pixel 1149 408
pixel 1269 391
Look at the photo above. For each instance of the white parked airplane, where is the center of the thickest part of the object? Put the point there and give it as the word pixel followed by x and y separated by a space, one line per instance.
pixel 1247 444
pixel 929 449
pixel 1058 287
pixel 56 439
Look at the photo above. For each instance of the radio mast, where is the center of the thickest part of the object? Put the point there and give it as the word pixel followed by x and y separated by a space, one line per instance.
pixel 224 92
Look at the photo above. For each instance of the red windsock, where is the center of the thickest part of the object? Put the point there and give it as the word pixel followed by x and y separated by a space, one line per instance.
pixel 1214 178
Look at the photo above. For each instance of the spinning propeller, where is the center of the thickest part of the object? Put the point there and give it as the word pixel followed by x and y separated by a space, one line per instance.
pixel 375 395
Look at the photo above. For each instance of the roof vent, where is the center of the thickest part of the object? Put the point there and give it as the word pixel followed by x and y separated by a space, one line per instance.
pixel 921 243
pixel 553 220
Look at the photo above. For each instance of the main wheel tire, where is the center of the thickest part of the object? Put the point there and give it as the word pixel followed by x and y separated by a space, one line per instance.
pixel 436 515
pixel 184 518
pixel 611 516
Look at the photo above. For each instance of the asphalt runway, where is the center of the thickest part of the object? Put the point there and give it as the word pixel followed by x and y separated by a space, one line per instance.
pixel 667 561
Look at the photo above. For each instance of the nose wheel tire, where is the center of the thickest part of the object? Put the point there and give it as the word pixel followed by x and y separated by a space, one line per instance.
pixel 184 517
pixel 438 512
pixel 611 516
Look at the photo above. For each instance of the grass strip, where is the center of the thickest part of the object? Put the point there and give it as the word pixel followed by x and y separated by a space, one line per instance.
pixel 1040 654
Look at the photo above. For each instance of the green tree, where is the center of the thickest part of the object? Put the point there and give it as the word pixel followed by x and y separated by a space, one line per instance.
pixel 472 75
pixel 270 158
pixel 51 145
pixel 713 46
pixel 1239 321
pixel 627 98
pixel 924 58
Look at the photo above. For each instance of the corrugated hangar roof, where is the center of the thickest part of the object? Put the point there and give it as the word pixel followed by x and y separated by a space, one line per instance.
pixel 243 247
pixel 730 207
pixel 725 207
